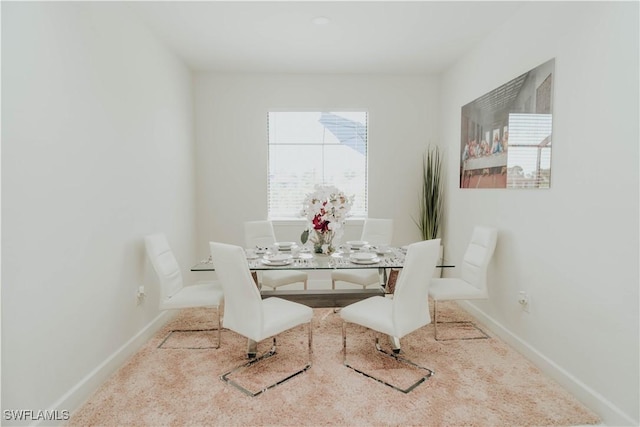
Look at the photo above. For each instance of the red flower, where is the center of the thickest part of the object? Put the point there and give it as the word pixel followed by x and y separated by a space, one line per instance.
pixel 320 224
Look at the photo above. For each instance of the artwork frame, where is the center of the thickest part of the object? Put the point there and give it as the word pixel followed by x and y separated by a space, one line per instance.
pixel 517 117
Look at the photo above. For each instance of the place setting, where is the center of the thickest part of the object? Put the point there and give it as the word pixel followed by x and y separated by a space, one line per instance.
pixel 362 253
pixel 351 247
pixel 364 258
pixel 277 260
pixel 382 249
pixel 282 254
pixel 285 246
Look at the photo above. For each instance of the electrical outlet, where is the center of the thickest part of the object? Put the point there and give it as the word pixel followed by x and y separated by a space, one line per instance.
pixel 140 295
pixel 524 301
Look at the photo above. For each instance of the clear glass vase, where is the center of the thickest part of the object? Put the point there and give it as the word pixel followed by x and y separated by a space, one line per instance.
pixel 323 242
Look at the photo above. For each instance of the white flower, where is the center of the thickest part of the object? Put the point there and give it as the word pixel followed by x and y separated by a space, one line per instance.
pixel 326 209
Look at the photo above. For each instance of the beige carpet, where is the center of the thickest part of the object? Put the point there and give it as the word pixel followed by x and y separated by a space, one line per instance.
pixel 476 383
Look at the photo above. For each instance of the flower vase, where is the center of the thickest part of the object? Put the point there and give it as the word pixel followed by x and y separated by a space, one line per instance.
pixel 323 243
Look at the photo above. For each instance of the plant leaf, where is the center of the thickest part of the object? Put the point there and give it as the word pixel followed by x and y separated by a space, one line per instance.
pixel 431 203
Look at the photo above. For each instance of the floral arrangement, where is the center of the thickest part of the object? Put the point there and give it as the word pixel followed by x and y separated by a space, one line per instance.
pixel 326 210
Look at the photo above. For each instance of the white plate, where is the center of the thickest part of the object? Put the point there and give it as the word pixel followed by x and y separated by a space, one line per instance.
pixel 365 261
pixel 363 256
pixel 285 245
pixel 276 263
pixel 278 257
pixel 252 255
pixel 357 243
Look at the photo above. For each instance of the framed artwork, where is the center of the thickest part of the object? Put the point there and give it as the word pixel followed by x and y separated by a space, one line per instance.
pixel 506 134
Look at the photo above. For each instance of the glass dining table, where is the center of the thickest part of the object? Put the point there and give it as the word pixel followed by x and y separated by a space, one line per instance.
pixel 388 263
pixel 385 262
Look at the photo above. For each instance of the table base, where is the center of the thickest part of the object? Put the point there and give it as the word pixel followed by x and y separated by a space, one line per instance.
pixel 321 298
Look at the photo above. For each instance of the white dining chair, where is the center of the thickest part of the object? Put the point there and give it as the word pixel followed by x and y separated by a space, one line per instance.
pixel 261 234
pixel 472 283
pixel 396 317
pixel 247 314
pixel 375 232
pixel 173 294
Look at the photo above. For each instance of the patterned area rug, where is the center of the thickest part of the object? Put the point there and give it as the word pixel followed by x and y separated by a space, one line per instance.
pixel 480 382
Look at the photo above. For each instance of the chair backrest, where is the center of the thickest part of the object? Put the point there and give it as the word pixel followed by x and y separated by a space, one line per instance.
pixel 377 231
pixel 478 255
pixel 242 300
pixel 165 265
pixel 259 233
pixel 411 296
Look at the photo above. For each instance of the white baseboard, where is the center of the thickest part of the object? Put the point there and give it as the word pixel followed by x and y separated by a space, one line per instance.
pixel 611 415
pixel 78 394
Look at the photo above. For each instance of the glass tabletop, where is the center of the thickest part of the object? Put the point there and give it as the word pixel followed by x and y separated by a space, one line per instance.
pixel 393 258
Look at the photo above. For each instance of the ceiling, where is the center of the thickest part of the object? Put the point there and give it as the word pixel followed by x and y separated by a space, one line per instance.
pixel 396 37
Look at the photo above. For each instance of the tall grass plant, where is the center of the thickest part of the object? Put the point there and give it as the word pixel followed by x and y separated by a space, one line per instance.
pixel 430 218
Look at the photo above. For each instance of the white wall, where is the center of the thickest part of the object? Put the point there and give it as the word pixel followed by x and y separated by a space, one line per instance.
pixel 97 151
pixel 231 139
pixel 573 248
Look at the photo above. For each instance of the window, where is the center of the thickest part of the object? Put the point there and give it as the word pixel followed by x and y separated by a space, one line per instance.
pixel 529 147
pixel 309 148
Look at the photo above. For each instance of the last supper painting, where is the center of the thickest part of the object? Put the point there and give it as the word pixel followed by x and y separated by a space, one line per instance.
pixel 506 134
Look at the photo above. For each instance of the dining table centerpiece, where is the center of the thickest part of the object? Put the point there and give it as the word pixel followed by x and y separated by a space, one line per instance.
pixel 326 210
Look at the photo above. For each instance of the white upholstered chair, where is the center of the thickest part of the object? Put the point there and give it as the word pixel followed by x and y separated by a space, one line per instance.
pixel 261 234
pixel 246 313
pixel 407 311
pixel 173 294
pixel 472 283
pixel 376 232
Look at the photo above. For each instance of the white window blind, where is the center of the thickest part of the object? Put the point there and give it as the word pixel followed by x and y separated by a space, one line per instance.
pixel 529 150
pixel 310 148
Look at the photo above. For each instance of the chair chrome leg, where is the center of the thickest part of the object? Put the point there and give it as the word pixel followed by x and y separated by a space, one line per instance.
pixel 395 344
pixel 394 356
pixel 310 334
pixel 272 352
pixel 252 349
pixel 344 343
pixel 219 329
pixel 460 322
pixel 435 319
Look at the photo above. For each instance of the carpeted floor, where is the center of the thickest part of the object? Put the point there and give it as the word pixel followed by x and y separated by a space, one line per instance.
pixel 476 383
